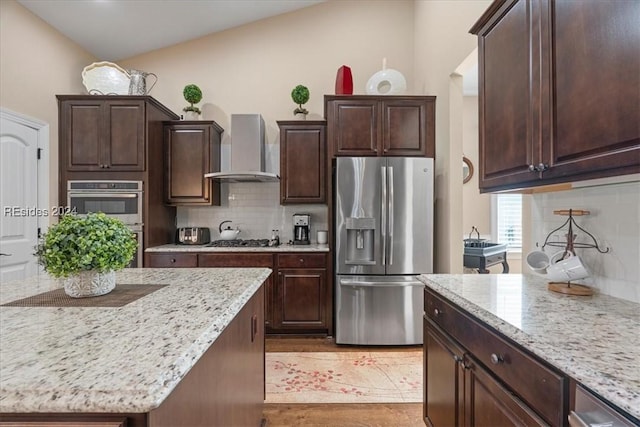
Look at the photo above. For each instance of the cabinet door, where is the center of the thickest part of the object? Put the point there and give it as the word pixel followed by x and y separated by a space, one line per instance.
pixel 507 94
pixel 124 135
pixel 489 403
pixel 191 151
pixel 408 127
pixel 301 299
pixel 595 121
pixel 302 163
pixel 354 126
pixel 103 135
pixel 81 125
pixel 443 379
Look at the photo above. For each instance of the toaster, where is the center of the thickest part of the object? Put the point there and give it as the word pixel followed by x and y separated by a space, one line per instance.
pixel 192 235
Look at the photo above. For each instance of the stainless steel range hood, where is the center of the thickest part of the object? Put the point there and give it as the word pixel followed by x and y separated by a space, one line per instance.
pixel 247 152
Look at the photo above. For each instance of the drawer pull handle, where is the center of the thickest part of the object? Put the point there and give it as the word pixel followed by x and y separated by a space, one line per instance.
pixel 496 358
pixel 436 312
pixel 301 260
pixel 173 260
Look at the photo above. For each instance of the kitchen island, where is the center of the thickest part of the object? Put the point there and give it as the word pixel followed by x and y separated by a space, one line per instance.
pixel 591 341
pixel 188 353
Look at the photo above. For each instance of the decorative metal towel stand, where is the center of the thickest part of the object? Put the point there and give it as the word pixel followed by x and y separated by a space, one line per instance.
pixel 569 246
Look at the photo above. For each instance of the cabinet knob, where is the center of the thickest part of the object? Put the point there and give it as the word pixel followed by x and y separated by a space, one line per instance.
pixel 436 312
pixel 172 260
pixel 496 358
pixel 301 260
pixel 540 168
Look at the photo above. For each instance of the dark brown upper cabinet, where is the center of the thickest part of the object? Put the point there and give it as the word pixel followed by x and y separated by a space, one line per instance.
pixel 303 153
pixel 192 148
pixel 101 134
pixel 364 125
pixel 558 96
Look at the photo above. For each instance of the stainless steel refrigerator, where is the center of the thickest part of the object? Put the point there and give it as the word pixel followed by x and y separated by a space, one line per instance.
pixel 384 239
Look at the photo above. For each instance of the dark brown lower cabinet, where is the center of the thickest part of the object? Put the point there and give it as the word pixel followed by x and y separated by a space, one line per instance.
pixel 489 403
pixel 444 379
pixel 298 298
pixel 302 299
pixel 224 388
pixel 474 377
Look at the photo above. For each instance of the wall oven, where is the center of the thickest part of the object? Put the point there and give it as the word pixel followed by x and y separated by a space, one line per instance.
pixel 118 199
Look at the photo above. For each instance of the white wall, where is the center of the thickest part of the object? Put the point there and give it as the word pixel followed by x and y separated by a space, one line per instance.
pixel 476 209
pixel 614 222
pixel 36 63
pixel 253 68
pixel 442 42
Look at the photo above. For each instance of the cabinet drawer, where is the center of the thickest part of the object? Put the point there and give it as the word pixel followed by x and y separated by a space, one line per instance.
pixel 235 260
pixel 301 261
pixel 538 385
pixel 173 260
pixel 494 259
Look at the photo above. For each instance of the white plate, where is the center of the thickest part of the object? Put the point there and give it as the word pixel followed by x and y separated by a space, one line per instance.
pixel 105 78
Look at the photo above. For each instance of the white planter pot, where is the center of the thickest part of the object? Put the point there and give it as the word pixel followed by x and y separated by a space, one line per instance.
pixel 90 284
pixel 191 115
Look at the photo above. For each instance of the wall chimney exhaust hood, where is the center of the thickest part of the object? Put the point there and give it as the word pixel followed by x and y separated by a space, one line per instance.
pixel 247 152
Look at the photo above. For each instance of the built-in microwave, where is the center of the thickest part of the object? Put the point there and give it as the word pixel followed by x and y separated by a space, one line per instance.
pixel 119 199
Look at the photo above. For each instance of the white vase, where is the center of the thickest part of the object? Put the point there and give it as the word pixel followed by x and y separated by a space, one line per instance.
pixel 90 283
pixel 191 115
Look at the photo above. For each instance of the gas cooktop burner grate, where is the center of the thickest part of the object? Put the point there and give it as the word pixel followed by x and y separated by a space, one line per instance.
pixel 253 243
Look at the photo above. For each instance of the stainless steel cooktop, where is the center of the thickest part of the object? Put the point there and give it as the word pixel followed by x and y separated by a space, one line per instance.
pixel 253 243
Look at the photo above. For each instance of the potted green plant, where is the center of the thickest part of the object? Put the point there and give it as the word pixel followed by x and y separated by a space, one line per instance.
pixel 193 95
pixel 85 251
pixel 300 95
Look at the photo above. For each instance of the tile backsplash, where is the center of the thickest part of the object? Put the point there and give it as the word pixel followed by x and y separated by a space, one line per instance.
pixel 614 222
pixel 255 209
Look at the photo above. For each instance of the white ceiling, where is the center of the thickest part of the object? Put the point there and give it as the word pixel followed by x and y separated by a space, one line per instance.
pixel 117 29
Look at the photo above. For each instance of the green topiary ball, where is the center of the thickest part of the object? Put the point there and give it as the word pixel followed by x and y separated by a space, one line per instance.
pixel 192 94
pixel 300 95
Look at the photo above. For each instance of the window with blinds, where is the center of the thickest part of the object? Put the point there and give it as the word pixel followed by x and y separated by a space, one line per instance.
pixel 507 218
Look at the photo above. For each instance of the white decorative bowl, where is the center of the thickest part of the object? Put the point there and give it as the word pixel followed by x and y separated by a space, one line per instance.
pixel 90 283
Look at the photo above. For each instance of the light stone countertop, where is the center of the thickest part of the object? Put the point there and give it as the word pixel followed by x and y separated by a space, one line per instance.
pixel 125 359
pixel 314 247
pixel 595 340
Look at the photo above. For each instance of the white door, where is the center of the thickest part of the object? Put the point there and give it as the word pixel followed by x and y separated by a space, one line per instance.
pixel 22 210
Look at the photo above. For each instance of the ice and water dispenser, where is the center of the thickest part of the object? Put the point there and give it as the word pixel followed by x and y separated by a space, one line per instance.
pixel 360 241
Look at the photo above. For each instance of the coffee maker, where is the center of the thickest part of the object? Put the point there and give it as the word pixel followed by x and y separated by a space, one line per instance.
pixel 301 229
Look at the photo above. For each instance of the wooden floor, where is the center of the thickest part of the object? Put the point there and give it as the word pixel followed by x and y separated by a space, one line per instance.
pixel 325 344
pixel 338 415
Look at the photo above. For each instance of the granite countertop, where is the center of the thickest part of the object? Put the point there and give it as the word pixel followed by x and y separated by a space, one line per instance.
pixel 314 247
pixel 595 340
pixel 125 359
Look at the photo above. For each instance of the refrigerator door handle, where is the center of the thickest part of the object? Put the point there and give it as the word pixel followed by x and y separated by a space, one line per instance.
pixel 390 258
pixel 383 216
pixel 367 283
